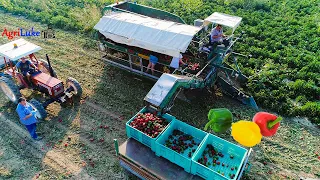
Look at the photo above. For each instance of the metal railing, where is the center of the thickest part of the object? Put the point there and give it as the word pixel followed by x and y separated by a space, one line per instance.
pixel 142 67
pixel 131 63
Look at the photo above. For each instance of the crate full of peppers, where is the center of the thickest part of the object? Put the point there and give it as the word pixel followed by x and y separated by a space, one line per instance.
pixel 179 143
pixel 146 127
pixel 218 159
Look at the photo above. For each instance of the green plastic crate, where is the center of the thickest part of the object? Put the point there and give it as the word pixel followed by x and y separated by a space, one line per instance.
pixel 180 159
pixel 140 136
pixel 227 149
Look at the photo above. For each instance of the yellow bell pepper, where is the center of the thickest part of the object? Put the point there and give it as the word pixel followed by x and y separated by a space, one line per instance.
pixel 246 133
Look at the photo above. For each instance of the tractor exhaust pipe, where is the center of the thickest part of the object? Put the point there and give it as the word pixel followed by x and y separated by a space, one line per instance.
pixel 50 68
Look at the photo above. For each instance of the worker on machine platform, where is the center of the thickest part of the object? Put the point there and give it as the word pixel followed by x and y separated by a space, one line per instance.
pixel 217 37
pixel 152 62
pixel 175 62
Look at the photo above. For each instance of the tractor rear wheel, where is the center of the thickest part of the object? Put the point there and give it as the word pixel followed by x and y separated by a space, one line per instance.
pixel 10 89
pixel 75 85
pixel 45 68
pixel 41 113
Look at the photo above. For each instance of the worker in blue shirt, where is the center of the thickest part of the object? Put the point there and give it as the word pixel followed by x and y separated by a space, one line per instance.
pixel 27 117
pixel 25 66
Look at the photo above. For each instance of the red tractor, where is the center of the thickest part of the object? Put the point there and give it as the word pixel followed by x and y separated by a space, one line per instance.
pixel 44 79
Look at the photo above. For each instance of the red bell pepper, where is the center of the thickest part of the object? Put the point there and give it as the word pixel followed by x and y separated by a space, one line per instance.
pixel 268 123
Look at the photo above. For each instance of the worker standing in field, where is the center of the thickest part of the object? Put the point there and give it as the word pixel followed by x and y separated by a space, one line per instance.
pixel 27 117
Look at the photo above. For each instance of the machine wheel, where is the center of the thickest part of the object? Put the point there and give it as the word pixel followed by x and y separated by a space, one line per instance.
pixel 45 68
pixel 41 112
pixel 75 85
pixel 10 89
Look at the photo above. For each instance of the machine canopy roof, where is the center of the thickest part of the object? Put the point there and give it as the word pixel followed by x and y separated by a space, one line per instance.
pixel 24 48
pixel 156 35
pixel 223 19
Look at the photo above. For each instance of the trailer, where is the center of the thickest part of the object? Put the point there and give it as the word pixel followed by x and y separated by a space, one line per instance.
pixel 152 167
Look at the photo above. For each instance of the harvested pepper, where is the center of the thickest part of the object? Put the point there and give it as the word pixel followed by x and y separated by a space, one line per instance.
pixel 246 133
pixel 219 120
pixel 268 123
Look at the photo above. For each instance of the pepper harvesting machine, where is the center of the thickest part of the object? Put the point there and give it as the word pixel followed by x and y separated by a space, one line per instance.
pixel 43 80
pixel 129 33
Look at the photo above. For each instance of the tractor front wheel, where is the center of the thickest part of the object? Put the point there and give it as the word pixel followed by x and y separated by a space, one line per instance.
pixel 10 89
pixel 75 85
pixel 41 113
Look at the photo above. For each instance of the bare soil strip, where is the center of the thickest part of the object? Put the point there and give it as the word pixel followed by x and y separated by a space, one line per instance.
pixel 35 149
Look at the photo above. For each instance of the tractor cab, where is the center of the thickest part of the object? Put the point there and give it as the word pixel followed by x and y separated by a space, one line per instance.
pixel 10 54
pixel 13 51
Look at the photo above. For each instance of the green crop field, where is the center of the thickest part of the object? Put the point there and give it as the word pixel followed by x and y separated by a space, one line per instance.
pixel 282 36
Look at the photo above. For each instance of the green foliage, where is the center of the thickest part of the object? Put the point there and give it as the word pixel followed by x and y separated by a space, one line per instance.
pixel 80 15
pixel 282 37
pixel 310 109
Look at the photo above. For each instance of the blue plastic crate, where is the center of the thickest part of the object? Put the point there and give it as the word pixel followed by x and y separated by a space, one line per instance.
pixel 180 159
pixel 226 148
pixel 140 136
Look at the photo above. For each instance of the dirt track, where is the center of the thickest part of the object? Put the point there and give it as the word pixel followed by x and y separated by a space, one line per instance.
pixel 16 139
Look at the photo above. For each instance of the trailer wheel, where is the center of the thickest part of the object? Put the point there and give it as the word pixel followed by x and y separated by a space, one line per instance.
pixel 41 112
pixel 10 89
pixel 75 85
pixel 45 68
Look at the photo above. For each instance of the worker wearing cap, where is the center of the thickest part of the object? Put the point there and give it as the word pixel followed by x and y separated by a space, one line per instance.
pixel 27 117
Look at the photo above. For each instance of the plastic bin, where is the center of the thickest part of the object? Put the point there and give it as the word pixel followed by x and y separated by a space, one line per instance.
pixel 180 159
pixel 140 136
pixel 211 172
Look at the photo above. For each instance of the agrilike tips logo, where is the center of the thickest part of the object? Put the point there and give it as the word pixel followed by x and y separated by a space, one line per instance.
pixel 21 32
